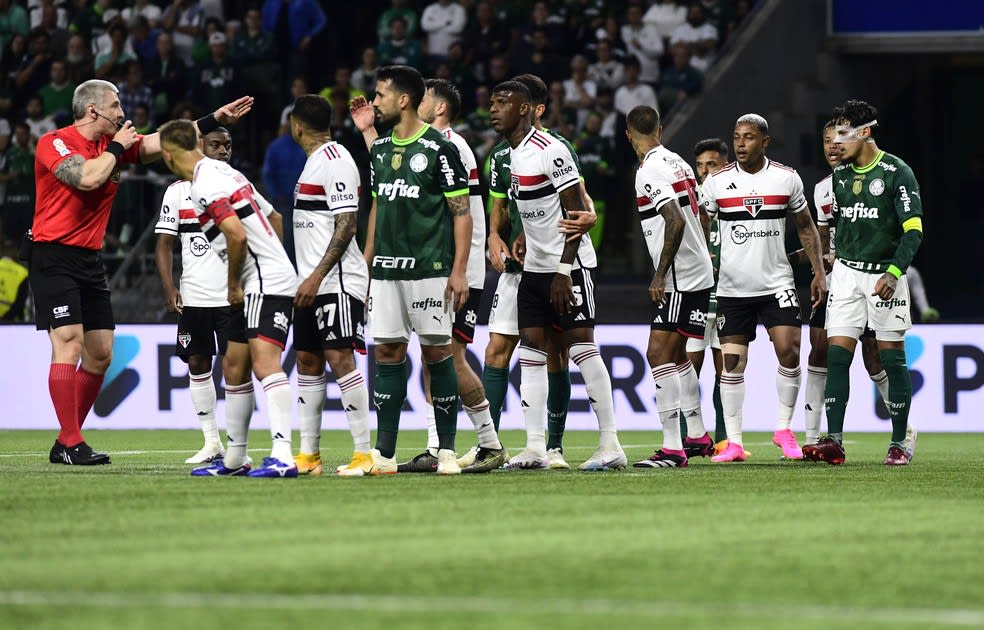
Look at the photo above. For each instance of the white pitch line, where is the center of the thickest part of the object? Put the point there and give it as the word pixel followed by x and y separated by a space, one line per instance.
pixel 489 605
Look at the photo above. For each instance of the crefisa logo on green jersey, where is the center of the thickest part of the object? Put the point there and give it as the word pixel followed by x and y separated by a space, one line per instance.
pixel 858 211
pixel 399 188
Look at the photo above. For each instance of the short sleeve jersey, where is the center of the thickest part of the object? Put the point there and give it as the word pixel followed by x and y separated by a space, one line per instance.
pixel 662 177
pixel 64 214
pixel 411 179
pixel 476 255
pixel 872 205
pixel 751 209
pixel 541 168
pixel 203 267
pixel 218 192
pixel 329 186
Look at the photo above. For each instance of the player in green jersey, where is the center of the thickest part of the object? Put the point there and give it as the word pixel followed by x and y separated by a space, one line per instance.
pixel 879 230
pixel 417 245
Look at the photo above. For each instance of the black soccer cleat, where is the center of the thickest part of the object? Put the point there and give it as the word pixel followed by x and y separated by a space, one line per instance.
pixel 82 455
pixel 423 463
pixel 55 456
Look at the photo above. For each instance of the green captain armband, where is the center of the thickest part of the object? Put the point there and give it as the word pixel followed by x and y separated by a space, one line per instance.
pixel 895 271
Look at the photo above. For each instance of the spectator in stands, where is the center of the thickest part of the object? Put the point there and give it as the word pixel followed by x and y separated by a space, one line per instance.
pixel 643 41
pixel 14 287
pixel 364 77
pixel 666 16
pixel 399 48
pixel 539 20
pixel 184 20
pixel 252 44
pixel 133 91
pixel 216 81
pixel 605 107
pixel 143 39
pixel 79 62
pixel 478 129
pixel 13 21
pixel 58 36
pixel 282 166
pixel 104 42
pixel 17 175
pixel 202 48
pixel 398 8
pixel 606 71
pixel 88 20
pixel 36 69
pixel 111 65
pixel 444 21
pixel 577 33
pixel 542 62
pixel 579 90
pixel 298 88
pixel 5 135
pixel 56 96
pixel 294 24
pixel 633 93
pixel 167 77
pixel 560 115
pixel 700 34
pixel 343 83
pixel 461 74
pixel 38 123
pixel 141 119
pixel 487 35
pixel 13 57
pixel 742 9
pixel 720 14
pixel 681 80
pixel 595 153
pixel 498 71
pixel 343 129
pixel 145 9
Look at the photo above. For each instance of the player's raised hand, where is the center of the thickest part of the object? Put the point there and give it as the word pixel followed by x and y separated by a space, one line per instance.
pixel 886 285
pixel 456 292
pixel 577 223
pixel 519 248
pixel 127 135
pixel 173 302
pixel 498 252
pixel 363 115
pixel 307 291
pixel 229 113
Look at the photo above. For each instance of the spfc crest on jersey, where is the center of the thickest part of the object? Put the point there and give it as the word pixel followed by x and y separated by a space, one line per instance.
pixel 753 204
pixel 514 185
pixel 396 160
pixel 184 339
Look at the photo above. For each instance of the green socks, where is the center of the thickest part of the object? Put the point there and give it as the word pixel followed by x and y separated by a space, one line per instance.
pixel 558 400
pixel 720 431
pixel 496 383
pixel 838 389
pixel 899 391
pixel 444 391
pixel 388 395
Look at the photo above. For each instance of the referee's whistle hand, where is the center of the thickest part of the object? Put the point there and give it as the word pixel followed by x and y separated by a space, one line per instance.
pixel 127 135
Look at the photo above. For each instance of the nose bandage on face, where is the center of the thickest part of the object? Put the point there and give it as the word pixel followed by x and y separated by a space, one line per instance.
pixel 847 133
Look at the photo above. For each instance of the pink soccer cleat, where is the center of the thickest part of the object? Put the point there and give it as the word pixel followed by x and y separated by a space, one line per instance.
pixel 732 453
pixel 786 440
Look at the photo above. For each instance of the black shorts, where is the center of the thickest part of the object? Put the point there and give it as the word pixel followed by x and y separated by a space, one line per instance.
pixel 536 311
pixel 741 315
pixel 69 287
pixel 202 330
pixel 335 321
pixel 466 317
pixel 268 317
pixel 684 312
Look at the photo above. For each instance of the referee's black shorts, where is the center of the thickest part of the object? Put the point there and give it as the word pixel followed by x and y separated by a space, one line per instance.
pixel 69 286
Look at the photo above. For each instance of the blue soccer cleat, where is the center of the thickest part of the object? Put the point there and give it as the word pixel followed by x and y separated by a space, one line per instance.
pixel 218 469
pixel 274 468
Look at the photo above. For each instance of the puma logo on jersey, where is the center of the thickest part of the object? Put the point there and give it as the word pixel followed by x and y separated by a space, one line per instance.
pixel 399 188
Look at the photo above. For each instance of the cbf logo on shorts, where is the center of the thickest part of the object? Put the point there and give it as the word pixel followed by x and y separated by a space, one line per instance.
pixel 60 312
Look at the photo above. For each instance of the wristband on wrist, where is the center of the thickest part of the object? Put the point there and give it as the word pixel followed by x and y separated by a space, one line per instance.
pixel 116 149
pixel 207 124
pixel 564 268
pixel 895 271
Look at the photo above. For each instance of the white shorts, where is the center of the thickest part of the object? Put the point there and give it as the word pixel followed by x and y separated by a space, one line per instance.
pixel 398 307
pixel 710 336
pixel 851 305
pixel 504 317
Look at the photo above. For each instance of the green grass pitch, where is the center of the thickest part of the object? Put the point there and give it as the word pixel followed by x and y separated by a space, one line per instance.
pixel 765 544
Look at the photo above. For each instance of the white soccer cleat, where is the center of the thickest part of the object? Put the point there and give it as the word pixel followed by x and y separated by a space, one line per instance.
pixel 556 458
pixel 447 462
pixel 529 459
pixel 382 465
pixel 208 454
pixel 468 458
pixel 605 459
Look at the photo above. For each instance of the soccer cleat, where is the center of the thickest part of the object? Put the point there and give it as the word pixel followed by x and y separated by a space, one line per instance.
pixel 426 462
pixel 786 440
pixel 826 450
pixel 909 443
pixel 556 458
pixel 698 447
pixel 208 454
pixel 82 455
pixel 309 464
pixel 384 465
pixel 360 465
pixel 732 453
pixel 55 456
pixel 662 459
pixel 273 468
pixel 218 469
pixel 896 456
pixel 447 462
pixel 487 460
pixel 605 459
pixel 529 459
pixel 468 458
pixel 723 444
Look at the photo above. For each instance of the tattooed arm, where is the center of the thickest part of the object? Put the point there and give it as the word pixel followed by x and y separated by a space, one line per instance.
pixel 78 172
pixel 458 282
pixel 672 237
pixel 345 225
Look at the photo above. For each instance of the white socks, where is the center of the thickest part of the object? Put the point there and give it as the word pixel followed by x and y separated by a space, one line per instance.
pixel 484 427
pixel 787 390
pixel 816 379
pixel 279 400
pixel 433 442
pixel 240 402
pixel 599 386
pixel 881 381
pixel 667 381
pixel 355 401
pixel 690 400
pixel 202 390
pixel 533 390
pixel 732 401
pixel 310 405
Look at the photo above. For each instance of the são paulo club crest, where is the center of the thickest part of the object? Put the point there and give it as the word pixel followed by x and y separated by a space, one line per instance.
pixel 753 204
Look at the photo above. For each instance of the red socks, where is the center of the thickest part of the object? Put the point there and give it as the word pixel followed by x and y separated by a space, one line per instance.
pixel 87 386
pixel 62 387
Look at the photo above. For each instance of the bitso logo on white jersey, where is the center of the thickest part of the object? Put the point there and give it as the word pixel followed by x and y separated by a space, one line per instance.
pixel 217 191
pixel 329 186
pixel 203 254
pixel 542 167
pixel 751 210
pixel 476 255
pixel 663 176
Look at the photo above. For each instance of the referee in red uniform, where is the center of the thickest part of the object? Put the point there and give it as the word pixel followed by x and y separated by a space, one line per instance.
pixel 77 174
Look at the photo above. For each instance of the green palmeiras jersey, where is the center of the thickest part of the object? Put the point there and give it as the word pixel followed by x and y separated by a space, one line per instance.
pixel 411 179
pixel 873 207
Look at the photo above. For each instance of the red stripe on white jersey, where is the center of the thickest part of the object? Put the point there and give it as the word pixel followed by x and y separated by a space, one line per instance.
pixel 532 180
pixel 739 202
pixel 310 189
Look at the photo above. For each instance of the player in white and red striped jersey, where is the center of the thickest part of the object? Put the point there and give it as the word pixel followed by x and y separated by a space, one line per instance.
pixel 260 278
pixel 557 287
pixel 666 195
pixel 329 308
pixel 202 302
pixel 751 199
